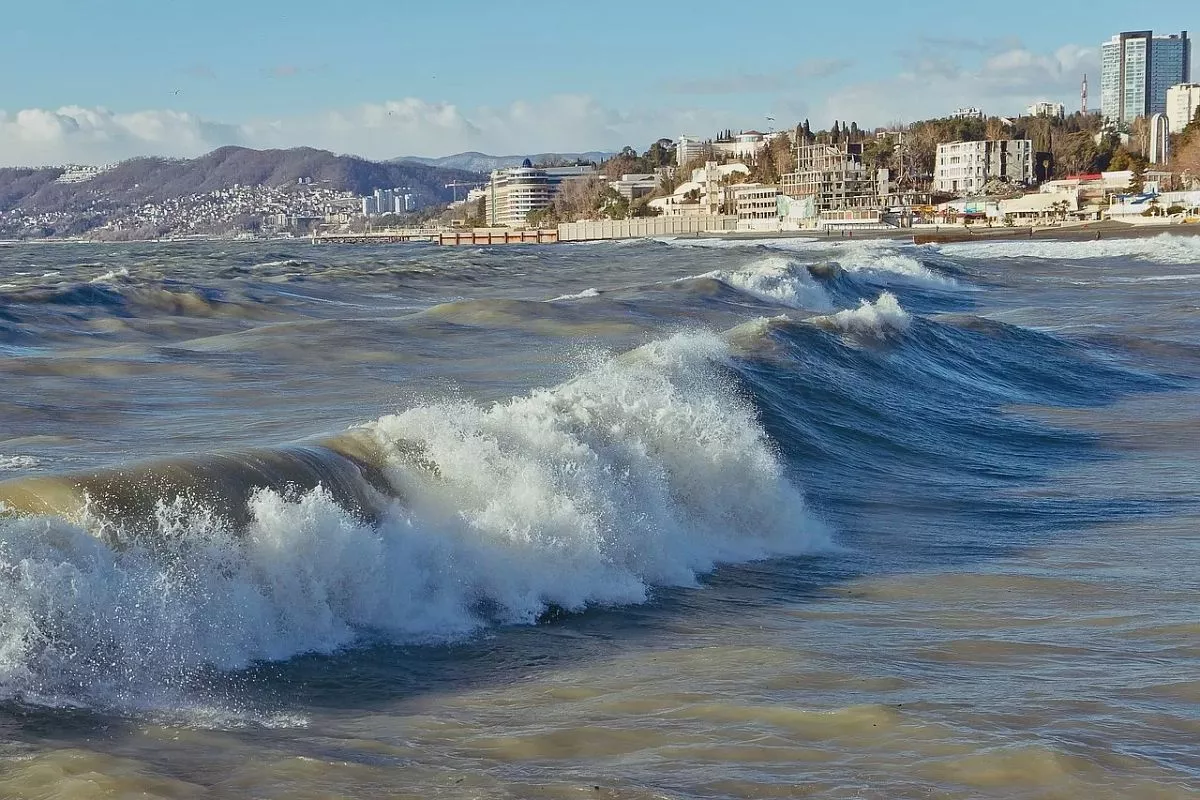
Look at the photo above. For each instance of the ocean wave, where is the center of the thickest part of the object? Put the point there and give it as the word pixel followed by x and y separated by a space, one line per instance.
pixel 646 470
pixel 193 301
pixel 881 260
pixel 877 319
pixel 586 293
pixel 1164 249
pixel 110 276
pixel 14 463
pixel 777 280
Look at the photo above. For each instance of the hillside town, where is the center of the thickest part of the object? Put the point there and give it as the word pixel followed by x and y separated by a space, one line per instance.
pixel 1135 160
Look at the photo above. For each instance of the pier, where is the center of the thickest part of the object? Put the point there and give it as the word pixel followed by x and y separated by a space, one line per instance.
pixel 442 236
pixel 380 236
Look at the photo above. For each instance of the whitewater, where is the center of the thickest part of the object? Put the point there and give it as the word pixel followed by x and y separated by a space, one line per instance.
pixel 670 518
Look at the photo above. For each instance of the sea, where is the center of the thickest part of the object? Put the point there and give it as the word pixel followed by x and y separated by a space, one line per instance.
pixel 690 518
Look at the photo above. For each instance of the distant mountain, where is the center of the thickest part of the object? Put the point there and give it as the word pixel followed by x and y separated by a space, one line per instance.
pixel 482 162
pixel 136 181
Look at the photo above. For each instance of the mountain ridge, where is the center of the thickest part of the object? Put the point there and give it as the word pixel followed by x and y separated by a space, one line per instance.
pixel 139 180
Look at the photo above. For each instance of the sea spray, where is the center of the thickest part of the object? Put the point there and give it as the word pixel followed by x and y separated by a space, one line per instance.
pixel 646 470
pixel 777 280
pixel 877 319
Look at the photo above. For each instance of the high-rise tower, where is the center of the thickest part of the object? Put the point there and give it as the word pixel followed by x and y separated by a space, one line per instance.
pixel 1137 68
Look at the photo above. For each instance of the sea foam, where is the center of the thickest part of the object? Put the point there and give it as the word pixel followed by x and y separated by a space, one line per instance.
pixel 645 470
pixel 1164 249
pixel 776 279
pixel 878 319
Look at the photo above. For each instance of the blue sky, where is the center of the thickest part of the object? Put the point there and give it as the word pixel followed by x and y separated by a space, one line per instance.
pixel 383 79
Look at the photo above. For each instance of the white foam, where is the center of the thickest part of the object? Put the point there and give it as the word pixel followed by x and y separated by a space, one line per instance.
pixel 111 275
pixel 886 263
pixel 644 471
pixel 882 260
pixel 781 243
pixel 878 319
pixel 12 463
pixel 592 292
pixel 776 280
pixel 1164 248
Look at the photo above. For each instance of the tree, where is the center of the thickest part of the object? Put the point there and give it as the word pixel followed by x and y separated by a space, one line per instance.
pixel 1137 182
pixel 1186 160
pixel 878 153
pixel 1076 153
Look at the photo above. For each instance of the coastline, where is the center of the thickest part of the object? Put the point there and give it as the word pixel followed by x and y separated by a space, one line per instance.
pixel 1104 229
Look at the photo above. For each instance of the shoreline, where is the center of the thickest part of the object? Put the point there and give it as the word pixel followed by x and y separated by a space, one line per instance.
pixel 1087 231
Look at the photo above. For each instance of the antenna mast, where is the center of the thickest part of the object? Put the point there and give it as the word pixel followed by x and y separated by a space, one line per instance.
pixel 1083 95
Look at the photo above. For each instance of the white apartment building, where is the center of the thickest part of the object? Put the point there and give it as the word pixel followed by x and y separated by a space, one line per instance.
pixel 757 207
pixel 1183 100
pixel 970 112
pixel 515 192
pixel 1044 108
pixel 631 186
pixel 964 168
pixel 689 148
pixel 707 193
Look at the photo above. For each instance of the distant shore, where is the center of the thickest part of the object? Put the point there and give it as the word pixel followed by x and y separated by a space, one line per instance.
pixel 947 234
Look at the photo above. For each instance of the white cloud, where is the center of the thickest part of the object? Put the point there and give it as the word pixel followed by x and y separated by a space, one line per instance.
pixel 1005 79
pixel 933 84
pixel 37 136
pixel 409 126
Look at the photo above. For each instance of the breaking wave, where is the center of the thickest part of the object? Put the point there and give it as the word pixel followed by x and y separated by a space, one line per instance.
pixel 646 470
pixel 776 280
pixel 1164 248
pixel 878 319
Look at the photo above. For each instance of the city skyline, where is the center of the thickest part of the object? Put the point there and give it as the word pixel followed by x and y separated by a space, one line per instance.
pixel 504 79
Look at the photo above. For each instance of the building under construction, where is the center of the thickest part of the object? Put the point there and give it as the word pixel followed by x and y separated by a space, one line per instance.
pixel 836 188
pixel 834 178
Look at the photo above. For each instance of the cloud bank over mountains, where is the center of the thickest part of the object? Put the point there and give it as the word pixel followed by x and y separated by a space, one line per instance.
pixel 930 81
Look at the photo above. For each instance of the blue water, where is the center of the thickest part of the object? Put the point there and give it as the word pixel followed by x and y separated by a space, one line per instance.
pixel 642 519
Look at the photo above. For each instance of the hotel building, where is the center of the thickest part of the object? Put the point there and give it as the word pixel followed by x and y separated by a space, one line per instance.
pixel 515 192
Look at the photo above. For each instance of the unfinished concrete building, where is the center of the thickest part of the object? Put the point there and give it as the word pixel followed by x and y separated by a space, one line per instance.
pixel 836 182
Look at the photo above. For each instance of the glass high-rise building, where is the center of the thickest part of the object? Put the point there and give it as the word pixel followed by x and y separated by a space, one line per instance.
pixel 1137 68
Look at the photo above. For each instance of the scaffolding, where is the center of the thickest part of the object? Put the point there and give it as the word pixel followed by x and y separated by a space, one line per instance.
pixel 835 179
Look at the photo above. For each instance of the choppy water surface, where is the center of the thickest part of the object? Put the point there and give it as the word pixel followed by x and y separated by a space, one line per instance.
pixel 651 519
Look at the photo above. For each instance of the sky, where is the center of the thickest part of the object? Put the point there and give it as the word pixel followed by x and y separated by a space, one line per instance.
pixel 92 83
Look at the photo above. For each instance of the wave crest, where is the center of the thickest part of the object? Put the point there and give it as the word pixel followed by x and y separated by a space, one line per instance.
pixel 644 471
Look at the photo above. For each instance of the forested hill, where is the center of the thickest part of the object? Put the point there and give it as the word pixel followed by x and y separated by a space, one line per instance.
pixel 143 179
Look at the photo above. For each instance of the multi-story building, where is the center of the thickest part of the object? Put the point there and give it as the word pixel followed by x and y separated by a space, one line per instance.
pixel 1183 101
pixel 1044 108
pixel 835 179
pixel 967 113
pixel 709 192
pixel 516 191
pixel 757 207
pixel 690 148
pixel 631 186
pixel 1136 70
pixel 965 167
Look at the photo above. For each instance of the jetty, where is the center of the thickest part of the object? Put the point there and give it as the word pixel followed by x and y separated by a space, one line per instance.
pixel 442 236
